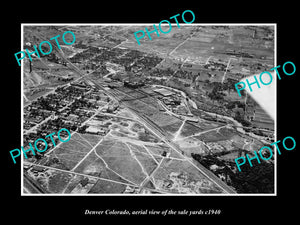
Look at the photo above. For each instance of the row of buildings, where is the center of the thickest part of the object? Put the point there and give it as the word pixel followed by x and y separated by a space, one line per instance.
pixel 68 107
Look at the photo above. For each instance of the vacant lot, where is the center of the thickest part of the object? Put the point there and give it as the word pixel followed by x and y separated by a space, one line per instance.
pixel 142 107
pixel 192 145
pixel 217 135
pixel 173 127
pixel 189 129
pixel 91 138
pixel 151 101
pixel 164 119
pixel 52 181
pixel 95 166
pixel 68 154
pixel 182 177
pixel 67 157
pixel 76 143
pixel 163 151
pixel 107 187
pixel 118 157
pixel 137 148
pixel 147 162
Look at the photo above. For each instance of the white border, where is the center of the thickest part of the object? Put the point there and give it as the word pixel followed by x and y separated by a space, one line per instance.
pixel 149 24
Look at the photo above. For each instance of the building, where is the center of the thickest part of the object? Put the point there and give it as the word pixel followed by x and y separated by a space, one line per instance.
pixel 164 92
pixel 95 130
pixel 134 84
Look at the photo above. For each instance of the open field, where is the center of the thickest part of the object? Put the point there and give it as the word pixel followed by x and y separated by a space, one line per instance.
pixel 92 139
pixel 120 127
pixel 164 119
pixel 192 145
pixel 143 107
pixel 119 158
pixel 137 148
pixel 217 135
pixel 181 177
pixel 151 101
pixel 173 127
pixel 147 162
pixel 51 180
pixel 189 129
pixel 68 154
pixel 107 187
pixel 158 45
pixel 96 166
pixel 163 150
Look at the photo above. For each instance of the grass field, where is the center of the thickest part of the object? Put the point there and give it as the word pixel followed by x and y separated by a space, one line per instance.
pixel 151 101
pixel 94 166
pixel 68 154
pixel 182 177
pixel 192 145
pixel 173 127
pixel 143 107
pixel 189 129
pixel 164 119
pixel 137 148
pixel 217 135
pixel 118 157
pixel 146 161
pixel 51 180
pixel 73 183
pixel 91 138
pixel 106 187
pixel 163 150
pixel 76 143
pixel 58 181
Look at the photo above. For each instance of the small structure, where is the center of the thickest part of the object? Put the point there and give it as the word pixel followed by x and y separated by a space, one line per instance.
pixel 95 130
pixel 84 181
pixel 164 92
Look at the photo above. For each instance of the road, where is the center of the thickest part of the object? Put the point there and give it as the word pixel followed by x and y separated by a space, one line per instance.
pixel 227 68
pixel 205 131
pixel 179 45
pixel 161 134
pixel 123 42
pixel 67 83
pixel 154 128
pixel 50 117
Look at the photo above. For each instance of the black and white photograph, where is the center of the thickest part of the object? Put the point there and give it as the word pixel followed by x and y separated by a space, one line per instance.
pixel 142 110
pixel 162 117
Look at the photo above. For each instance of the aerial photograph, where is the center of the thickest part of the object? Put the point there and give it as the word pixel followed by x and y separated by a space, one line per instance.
pixel 159 118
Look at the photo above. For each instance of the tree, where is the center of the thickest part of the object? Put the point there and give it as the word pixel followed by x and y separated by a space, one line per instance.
pixel 216 94
pixel 256 179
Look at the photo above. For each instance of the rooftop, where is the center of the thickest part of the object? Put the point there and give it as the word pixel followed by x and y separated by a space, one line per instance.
pixel 164 92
